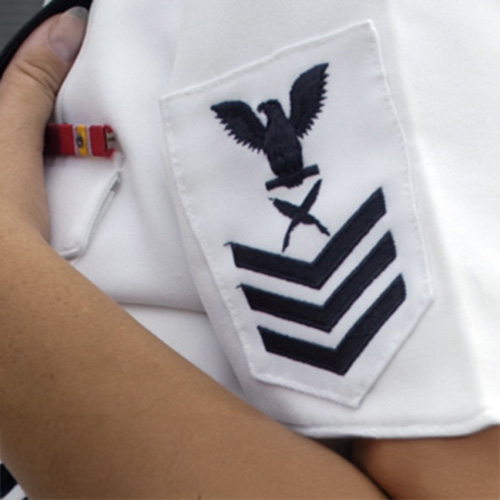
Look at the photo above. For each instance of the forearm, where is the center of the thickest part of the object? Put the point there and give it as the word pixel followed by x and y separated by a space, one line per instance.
pixel 92 405
pixel 452 468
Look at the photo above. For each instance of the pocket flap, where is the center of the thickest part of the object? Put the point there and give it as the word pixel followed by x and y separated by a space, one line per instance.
pixel 293 178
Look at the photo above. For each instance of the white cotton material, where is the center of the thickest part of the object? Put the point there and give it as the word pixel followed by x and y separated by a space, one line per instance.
pixel 125 223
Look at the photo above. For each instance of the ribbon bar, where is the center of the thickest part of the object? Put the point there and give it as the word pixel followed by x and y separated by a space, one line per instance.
pixel 64 139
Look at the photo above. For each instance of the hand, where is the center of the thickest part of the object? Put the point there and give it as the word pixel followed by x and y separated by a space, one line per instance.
pixel 28 90
pixel 91 404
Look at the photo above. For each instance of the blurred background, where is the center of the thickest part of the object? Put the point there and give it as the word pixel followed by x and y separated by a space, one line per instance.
pixel 13 14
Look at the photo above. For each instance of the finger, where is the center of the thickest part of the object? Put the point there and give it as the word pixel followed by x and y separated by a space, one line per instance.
pixel 30 83
pixel 27 92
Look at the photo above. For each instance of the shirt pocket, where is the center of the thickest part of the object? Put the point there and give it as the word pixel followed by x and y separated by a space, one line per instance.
pixel 79 191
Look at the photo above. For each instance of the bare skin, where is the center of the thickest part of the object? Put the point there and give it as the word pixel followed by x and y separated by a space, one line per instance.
pixel 452 468
pixel 91 404
pixel 94 406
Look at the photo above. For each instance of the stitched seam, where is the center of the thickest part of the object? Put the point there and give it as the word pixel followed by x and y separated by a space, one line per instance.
pixel 252 67
pixel 354 429
pixel 377 61
pixel 201 241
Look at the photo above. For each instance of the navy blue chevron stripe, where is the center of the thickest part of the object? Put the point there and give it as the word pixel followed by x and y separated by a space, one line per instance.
pixel 341 358
pixel 315 274
pixel 325 316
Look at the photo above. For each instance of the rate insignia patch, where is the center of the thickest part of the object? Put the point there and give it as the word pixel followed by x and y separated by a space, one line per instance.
pixel 294 178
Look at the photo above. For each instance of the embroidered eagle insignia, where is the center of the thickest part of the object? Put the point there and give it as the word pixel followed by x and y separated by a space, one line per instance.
pixel 279 138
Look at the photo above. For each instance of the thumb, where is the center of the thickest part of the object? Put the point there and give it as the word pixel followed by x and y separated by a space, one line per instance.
pixel 30 83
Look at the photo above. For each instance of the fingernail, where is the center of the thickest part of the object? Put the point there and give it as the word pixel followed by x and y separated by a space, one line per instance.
pixel 66 36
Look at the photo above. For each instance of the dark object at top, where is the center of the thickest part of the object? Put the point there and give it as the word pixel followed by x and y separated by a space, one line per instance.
pixel 54 7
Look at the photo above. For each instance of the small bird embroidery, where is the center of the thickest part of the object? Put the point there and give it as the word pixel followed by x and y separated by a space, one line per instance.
pixel 279 138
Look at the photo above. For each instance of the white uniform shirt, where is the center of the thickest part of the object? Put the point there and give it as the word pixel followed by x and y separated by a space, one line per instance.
pixel 362 301
pixel 409 107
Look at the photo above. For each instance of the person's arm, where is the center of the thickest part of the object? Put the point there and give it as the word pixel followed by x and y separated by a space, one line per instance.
pixel 91 404
pixel 464 467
